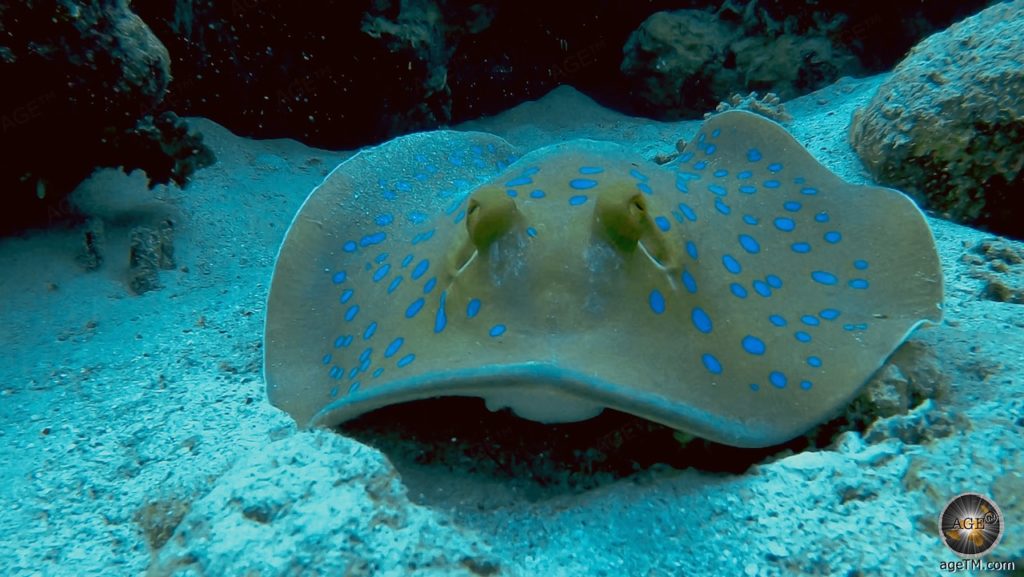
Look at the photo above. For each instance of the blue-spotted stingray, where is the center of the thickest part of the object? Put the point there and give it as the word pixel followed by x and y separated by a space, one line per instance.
pixel 743 293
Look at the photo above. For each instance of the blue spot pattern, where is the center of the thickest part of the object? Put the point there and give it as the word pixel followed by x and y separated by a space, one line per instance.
pixel 783 215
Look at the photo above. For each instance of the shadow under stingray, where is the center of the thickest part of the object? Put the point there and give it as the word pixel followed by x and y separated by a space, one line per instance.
pixel 460 438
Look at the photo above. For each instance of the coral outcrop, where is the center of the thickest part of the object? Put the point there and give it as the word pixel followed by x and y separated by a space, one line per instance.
pixel 948 126
pixel 81 80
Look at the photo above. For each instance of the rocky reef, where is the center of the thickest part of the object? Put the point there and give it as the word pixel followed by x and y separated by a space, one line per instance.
pixel 948 126
pixel 82 85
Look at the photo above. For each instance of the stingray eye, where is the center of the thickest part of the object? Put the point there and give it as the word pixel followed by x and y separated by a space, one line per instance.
pixel 491 213
pixel 622 213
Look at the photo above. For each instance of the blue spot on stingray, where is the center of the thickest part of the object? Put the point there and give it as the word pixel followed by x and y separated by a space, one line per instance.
pixel 372 239
pixel 753 345
pixel 777 379
pixel 774 281
pixel 582 183
pixel 814 362
pixel 537 193
pixel 860 264
pixel 378 372
pixel 858 283
pixel 762 288
pixel 339 341
pixel 327 359
pixel 749 244
pixel 681 185
pixel 688 212
pixel 577 200
pixel 349 246
pixel 753 155
pixel 527 172
pixel 700 165
pixel 345 341
pixel 821 217
pixel 718 189
pixel 691 249
pixel 792 205
pixel 381 258
pixel 829 314
pixel 429 285
pixel 711 363
pixel 777 320
pixel 403 186
pixel 785 224
pixel 531 232
pixel 384 219
pixel 775 167
pixel 335 373
pixel 393 347
pixel 657 301
pixel 497 330
pixel 771 183
pixel 716 132
pixel 404 361
pixel 806 385
pixel 519 181
pixel 750 219
pixel 825 278
pixel 368 333
pixel 710 149
pixel 744 174
pixel 459 217
pixel 406 260
pixel 339 277
pixel 755 387
pixel 351 312
pixel 381 272
pixel 748 188
pixel 689 282
pixel 472 308
pixel 731 264
pixel 591 170
pixel 644 188
pixel 441 319
pixel 417 217
pixel 721 207
pixel 512 192
pixel 414 308
pixel 394 284
pixel 809 191
pixel 832 237
pixel 802 336
pixel 810 320
pixel 352 374
pixel 637 174
pixel 738 290
pixel 420 269
pixel 800 247
pixel 721 172
pixel 701 320
pixel 365 355
pixel 662 223
pixel 686 156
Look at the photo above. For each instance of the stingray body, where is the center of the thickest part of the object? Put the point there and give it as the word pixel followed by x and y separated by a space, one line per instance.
pixel 743 293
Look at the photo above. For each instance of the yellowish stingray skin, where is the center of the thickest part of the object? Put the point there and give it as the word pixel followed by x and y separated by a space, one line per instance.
pixel 743 293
